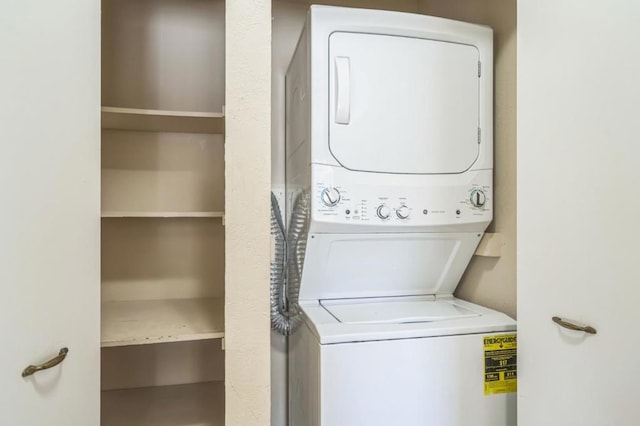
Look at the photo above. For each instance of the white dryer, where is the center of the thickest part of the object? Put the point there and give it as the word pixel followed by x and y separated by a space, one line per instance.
pixel 389 165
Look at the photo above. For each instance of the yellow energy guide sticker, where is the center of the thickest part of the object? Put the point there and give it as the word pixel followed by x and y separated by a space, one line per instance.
pixel 500 363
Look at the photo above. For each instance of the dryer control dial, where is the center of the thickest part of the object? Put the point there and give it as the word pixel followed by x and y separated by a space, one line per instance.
pixel 383 212
pixel 478 198
pixel 402 212
pixel 330 197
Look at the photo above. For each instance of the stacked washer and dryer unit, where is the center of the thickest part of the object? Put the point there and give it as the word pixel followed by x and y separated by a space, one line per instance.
pixel 389 158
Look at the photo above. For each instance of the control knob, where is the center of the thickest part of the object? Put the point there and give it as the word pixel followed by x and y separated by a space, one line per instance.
pixel 478 198
pixel 383 212
pixel 402 212
pixel 330 197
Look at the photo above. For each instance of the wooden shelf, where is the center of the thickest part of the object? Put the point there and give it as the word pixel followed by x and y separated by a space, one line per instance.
pixel 199 404
pixel 124 214
pixel 159 321
pixel 148 120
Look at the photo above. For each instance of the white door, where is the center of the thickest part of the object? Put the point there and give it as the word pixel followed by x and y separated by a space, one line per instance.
pixel 578 212
pixel 421 97
pixel 49 211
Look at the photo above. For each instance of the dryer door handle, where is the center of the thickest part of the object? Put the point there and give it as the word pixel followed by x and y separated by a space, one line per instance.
pixel 343 89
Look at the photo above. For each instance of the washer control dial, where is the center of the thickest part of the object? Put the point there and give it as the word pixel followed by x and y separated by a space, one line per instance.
pixel 330 197
pixel 402 212
pixel 383 212
pixel 478 198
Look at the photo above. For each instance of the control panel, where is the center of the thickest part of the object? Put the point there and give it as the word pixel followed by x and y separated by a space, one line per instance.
pixel 342 196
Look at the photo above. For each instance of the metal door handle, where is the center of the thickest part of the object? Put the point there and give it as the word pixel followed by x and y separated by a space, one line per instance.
pixel 571 326
pixel 46 365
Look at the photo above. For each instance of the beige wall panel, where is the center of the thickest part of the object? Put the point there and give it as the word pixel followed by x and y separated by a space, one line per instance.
pixel 162 365
pixel 163 54
pixel 492 281
pixel 148 171
pixel 149 259
pixel 248 116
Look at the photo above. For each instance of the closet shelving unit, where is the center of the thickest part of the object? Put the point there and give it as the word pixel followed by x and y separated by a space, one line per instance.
pixel 162 213
pixel 135 322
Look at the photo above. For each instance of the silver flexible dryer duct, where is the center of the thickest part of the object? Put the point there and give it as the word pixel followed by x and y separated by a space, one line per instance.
pixel 287 261
pixel 296 250
pixel 279 318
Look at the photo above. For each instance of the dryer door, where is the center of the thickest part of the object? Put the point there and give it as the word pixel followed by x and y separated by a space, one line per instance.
pixel 403 105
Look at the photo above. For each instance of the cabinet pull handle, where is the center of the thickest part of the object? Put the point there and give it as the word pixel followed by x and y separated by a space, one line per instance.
pixel 46 365
pixel 571 326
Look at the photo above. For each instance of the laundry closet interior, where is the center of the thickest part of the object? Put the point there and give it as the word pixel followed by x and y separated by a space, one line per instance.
pixel 163 203
pixel 490 278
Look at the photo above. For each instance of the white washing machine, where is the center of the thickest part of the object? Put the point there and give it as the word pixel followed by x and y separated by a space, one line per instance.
pixel 389 150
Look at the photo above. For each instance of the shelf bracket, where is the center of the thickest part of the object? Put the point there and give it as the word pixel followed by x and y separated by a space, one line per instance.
pixel 490 245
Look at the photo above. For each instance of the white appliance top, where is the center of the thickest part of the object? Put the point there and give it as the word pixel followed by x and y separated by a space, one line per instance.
pixel 394 311
pixel 348 321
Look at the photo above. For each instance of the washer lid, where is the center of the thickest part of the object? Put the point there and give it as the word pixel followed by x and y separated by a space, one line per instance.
pixel 403 104
pixel 394 310
pixel 329 330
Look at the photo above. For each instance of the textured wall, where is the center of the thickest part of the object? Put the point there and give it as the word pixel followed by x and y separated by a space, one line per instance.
pixel 247 156
pixel 492 281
